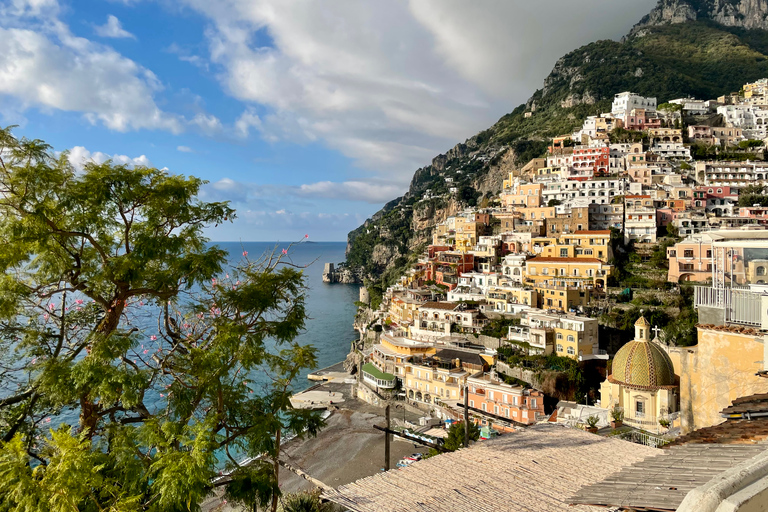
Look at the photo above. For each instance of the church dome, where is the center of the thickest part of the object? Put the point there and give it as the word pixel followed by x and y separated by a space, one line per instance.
pixel 643 363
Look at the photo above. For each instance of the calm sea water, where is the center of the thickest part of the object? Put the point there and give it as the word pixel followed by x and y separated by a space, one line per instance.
pixel 330 307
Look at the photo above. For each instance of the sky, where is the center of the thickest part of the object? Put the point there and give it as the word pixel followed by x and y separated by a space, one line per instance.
pixel 307 116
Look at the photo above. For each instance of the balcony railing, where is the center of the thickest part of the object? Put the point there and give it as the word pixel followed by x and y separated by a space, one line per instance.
pixel 741 306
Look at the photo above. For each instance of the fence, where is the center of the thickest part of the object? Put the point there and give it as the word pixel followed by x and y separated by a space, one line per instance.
pixel 741 306
pixel 634 436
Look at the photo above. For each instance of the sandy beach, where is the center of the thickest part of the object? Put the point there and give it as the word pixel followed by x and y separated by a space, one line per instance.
pixel 347 449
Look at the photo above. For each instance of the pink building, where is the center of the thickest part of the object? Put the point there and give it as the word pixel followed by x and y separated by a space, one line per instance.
pixel 690 260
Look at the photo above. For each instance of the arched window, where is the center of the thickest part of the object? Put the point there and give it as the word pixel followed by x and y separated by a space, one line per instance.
pixel 571 351
pixel 760 271
pixel 516 272
pixel 570 337
pixel 559 336
pixel 559 347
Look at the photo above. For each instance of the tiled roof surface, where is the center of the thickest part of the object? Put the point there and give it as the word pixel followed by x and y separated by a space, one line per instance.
pixel 661 483
pixel 448 306
pixel 533 470
pixel 593 232
pixel 544 259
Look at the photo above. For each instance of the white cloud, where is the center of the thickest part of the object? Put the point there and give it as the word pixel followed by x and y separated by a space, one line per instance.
pixel 391 84
pixel 44 65
pixel 208 124
pixel 113 29
pixel 370 192
pixel 247 120
pixel 79 156
pixel 185 149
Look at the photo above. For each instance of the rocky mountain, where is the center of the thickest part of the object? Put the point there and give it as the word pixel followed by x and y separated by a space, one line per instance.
pixel 748 14
pixel 699 48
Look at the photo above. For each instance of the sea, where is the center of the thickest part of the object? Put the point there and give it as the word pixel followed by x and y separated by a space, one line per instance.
pixel 330 309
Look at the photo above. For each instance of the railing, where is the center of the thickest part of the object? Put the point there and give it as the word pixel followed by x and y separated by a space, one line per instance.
pixel 742 306
pixel 634 436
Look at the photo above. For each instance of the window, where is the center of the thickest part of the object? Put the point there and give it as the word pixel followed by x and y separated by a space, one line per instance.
pixel 559 335
pixel 563 253
pixel 640 408
pixel 514 400
pixel 570 338
pixel 533 403
pixel 484 406
pixel 471 403
pixel 571 351
pixel 559 347
pixel 490 395
pixel 506 398
pixel 496 409
pixel 688 253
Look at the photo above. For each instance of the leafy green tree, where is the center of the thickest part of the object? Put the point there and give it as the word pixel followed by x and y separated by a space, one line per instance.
pixel 455 438
pixel 114 307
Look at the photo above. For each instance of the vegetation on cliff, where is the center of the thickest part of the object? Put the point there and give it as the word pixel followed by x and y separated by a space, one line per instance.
pixel 699 58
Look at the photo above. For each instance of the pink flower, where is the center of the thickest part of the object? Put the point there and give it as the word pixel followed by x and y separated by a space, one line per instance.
pixel 45 316
pixel 153 337
pixel 162 395
pixel 146 351
pixel 51 306
pixel 245 253
pixel 213 281
pixel 285 251
pixel 306 236
pixel 34 360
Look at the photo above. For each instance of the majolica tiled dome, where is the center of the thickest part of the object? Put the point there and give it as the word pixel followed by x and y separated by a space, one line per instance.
pixel 643 363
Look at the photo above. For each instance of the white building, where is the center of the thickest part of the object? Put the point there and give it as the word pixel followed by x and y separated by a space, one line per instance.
pixel 639 219
pixel 606 216
pixel 675 150
pixel 593 191
pixel 625 102
pixel 732 174
pixel 692 106
pixel 513 267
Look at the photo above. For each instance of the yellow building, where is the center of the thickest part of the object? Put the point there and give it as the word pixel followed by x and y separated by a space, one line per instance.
pixel 544 212
pixel 391 353
pixel 589 244
pixel 551 173
pixel 642 382
pixel 441 378
pixel 523 195
pixel 557 271
pixel 721 367
pixel 572 335
pixel 403 310
pixel 507 299
pixel 562 298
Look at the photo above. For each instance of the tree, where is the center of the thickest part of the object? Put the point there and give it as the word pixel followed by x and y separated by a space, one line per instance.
pixel 553 202
pixel 112 305
pixel 455 438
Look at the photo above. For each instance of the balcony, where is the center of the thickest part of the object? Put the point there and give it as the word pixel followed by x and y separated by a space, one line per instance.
pixel 740 305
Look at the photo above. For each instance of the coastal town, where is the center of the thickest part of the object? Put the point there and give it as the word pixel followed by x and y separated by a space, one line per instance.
pixel 616 285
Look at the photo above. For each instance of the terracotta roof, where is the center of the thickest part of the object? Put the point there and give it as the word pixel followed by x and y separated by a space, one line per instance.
pixel 593 232
pixel 747 331
pixel 545 259
pixel 734 430
pixel 529 470
pixel 448 306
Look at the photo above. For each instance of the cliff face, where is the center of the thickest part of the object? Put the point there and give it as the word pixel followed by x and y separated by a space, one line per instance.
pixel 748 14
pixel 700 48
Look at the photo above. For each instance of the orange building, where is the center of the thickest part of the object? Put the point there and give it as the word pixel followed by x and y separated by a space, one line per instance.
pixel 503 405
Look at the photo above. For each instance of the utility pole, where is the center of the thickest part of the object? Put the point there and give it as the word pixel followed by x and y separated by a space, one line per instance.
pixel 387 437
pixel 466 416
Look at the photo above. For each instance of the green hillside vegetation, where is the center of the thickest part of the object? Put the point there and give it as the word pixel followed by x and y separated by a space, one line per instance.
pixel 700 59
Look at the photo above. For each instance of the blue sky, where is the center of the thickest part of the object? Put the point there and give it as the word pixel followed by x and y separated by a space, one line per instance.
pixel 307 115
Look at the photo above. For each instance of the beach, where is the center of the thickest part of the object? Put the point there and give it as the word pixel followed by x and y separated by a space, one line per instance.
pixel 347 449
